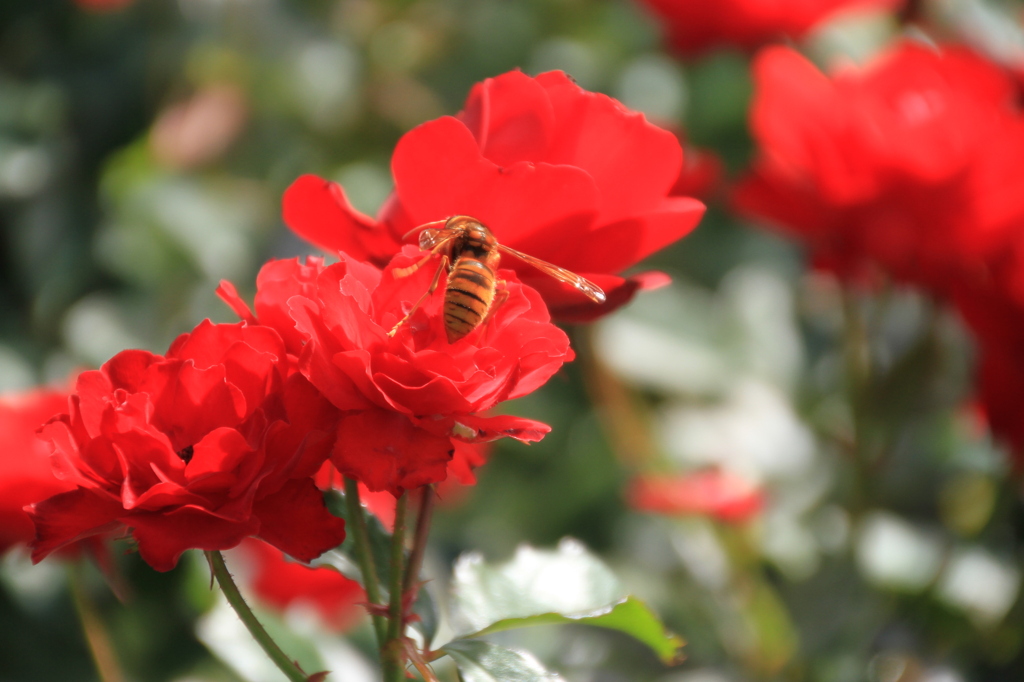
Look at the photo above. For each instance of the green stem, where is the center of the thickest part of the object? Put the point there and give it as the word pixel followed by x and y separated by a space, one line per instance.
pixel 623 414
pixel 393 652
pixel 234 597
pixel 857 358
pixel 92 627
pixel 364 555
pixel 855 342
pixel 419 543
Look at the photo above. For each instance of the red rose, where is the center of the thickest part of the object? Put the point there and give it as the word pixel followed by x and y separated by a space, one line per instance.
pixel 408 399
pixel 993 308
pixel 197 449
pixel 568 176
pixel 695 25
pixel 718 494
pixel 701 175
pixel 910 164
pixel 1000 389
pixel 280 584
pixel 25 473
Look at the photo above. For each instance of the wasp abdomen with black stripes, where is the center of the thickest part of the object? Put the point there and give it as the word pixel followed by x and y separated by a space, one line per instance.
pixel 468 296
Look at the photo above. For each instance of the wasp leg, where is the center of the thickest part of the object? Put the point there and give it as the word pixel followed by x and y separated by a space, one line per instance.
pixel 500 296
pixel 399 273
pixel 442 267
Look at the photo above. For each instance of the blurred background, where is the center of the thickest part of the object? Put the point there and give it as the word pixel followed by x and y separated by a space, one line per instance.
pixel 144 148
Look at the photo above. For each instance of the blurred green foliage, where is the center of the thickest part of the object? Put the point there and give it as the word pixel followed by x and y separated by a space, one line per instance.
pixel 143 153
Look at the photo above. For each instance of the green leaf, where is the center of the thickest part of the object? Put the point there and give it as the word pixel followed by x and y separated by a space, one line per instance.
pixel 343 558
pixel 480 661
pixel 911 387
pixel 426 609
pixel 539 587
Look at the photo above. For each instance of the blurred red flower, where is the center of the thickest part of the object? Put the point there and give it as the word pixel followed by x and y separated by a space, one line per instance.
pixel 1000 388
pixel 910 164
pixel 701 175
pixel 717 494
pixel 696 25
pixel 909 167
pixel 407 399
pixel 25 472
pixel 198 449
pixel 568 176
pixel 280 583
pixel 992 306
pixel 196 131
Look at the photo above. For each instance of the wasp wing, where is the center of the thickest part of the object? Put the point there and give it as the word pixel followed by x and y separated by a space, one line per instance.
pixel 584 285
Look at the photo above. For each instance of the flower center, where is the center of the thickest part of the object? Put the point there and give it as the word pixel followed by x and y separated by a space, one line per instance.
pixel 185 454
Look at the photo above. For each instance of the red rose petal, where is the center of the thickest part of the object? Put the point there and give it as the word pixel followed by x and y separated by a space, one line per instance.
pixel 26 474
pixel 511 118
pixel 568 305
pixel 229 294
pixel 718 494
pixel 67 517
pixel 477 428
pixel 515 201
pixel 296 521
pixel 219 461
pixel 633 162
pixel 385 451
pixel 468 456
pixel 280 583
pixel 195 402
pixel 408 388
pixel 278 281
pixel 617 246
pixel 164 536
pixel 318 210
pixel 695 26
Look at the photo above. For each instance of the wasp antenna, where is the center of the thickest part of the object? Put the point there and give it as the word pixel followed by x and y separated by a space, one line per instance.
pixel 422 227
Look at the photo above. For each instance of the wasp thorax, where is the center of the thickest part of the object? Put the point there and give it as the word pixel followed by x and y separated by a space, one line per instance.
pixel 462 222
